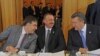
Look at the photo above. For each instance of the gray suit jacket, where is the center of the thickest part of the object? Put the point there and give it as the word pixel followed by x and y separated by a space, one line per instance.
pixel 13 34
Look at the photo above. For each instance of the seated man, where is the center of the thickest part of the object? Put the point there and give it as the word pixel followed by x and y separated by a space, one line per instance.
pixel 50 38
pixel 20 37
pixel 83 37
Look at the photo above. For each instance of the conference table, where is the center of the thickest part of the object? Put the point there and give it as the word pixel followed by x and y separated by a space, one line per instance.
pixel 62 53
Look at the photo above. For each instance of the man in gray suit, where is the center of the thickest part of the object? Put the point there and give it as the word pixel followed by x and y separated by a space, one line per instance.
pixel 20 38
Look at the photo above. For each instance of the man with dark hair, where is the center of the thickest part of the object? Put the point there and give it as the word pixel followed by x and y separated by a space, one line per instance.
pixel 47 9
pixel 33 9
pixel 50 38
pixel 20 38
pixel 26 9
pixel 40 14
pixel 82 37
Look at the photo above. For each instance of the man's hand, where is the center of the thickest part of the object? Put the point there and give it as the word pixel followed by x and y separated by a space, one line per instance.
pixel 83 50
pixel 11 49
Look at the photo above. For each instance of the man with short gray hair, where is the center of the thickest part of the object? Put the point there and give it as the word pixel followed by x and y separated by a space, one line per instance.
pixel 82 37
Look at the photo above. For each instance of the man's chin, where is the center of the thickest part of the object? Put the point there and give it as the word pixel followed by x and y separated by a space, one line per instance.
pixel 76 29
pixel 51 26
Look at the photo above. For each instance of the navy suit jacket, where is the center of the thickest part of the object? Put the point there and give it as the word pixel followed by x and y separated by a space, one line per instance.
pixel 92 39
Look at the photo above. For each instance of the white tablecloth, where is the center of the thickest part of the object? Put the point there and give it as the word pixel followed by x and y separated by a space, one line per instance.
pixel 33 54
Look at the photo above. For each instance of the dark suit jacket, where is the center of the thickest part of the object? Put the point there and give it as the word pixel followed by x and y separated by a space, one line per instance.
pixel 34 11
pixel 92 39
pixel 60 13
pixel 88 12
pixel 56 41
pixel 46 10
pixel 26 12
pixel 95 14
pixel 40 15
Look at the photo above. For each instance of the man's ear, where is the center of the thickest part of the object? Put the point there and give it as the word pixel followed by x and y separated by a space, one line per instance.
pixel 43 21
pixel 28 23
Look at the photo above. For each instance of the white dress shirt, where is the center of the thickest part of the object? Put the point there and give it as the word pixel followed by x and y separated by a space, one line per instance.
pixel 84 30
pixel 21 38
pixel 46 31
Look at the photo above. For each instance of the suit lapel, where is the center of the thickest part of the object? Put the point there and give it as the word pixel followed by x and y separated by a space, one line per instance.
pixel 78 37
pixel 51 35
pixel 17 36
pixel 27 40
pixel 43 35
pixel 88 34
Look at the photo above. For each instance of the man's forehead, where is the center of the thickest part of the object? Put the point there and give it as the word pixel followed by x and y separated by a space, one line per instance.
pixel 49 16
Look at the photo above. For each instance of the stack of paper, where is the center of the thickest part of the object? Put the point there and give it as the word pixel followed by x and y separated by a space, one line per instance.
pixel 94 52
pixel 43 54
pixel 61 53
pixel 3 54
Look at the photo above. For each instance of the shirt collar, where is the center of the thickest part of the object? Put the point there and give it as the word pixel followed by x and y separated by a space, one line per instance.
pixel 23 30
pixel 48 28
pixel 84 28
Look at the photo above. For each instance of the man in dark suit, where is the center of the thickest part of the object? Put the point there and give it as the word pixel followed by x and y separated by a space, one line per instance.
pixel 47 9
pixel 58 15
pixel 95 14
pixel 20 38
pixel 40 14
pixel 33 9
pixel 50 38
pixel 83 37
pixel 88 12
pixel 26 10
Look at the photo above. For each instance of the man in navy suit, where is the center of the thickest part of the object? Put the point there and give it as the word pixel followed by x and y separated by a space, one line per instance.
pixel 89 12
pixel 95 14
pixel 83 37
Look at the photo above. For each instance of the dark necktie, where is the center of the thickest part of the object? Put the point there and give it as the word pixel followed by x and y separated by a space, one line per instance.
pixel 83 39
pixel 47 40
pixel 25 36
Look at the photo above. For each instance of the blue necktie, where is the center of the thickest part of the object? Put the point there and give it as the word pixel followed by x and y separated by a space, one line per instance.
pixel 83 39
